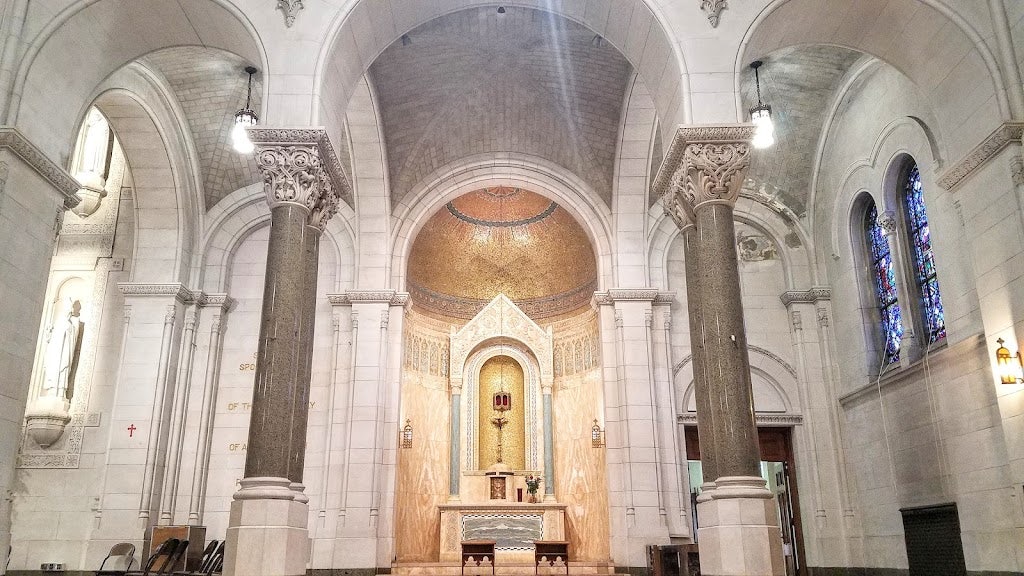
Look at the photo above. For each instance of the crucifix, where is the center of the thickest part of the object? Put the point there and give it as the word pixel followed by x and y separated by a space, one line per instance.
pixel 131 430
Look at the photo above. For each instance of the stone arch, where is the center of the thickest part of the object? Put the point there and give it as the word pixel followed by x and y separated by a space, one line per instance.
pixel 635 27
pixel 797 263
pixel 162 176
pixel 770 375
pixel 47 117
pixel 527 360
pixel 966 59
pixel 514 170
pixel 243 212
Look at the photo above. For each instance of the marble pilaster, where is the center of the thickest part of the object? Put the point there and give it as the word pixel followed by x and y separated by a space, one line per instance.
pixel 267 532
pixel 704 170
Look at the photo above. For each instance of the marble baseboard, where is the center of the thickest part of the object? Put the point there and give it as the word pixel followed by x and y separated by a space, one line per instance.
pixel 854 571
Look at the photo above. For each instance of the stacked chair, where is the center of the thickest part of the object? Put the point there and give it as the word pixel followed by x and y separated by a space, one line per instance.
pixel 171 551
pixel 213 561
pixel 123 551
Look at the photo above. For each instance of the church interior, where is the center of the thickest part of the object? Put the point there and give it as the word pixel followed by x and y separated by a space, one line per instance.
pixel 448 287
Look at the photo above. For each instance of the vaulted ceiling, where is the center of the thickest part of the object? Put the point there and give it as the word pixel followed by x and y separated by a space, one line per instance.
pixel 478 81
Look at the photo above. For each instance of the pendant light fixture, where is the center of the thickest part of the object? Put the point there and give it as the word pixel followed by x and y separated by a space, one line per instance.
pixel 244 117
pixel 761 115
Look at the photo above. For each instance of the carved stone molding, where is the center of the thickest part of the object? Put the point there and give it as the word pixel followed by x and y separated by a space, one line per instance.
pixel 12 139
pixel 664 298
pixel 175 289
pixel 713 8
pixel 690 419
pixel 290 8
pixel 308 139
pixel 679 211
pixel 625 295
pixel 389 297
pixel 217 300
pixel 705 163
pixel 809 296
pixel 1006 133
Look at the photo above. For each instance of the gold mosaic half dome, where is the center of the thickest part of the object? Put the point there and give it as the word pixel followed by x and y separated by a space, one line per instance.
pixel 502 240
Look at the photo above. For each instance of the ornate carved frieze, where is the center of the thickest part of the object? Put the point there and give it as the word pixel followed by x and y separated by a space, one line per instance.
pixel 304 170
pixel 626 295
pixel 219 300
pixel 1006 133
pixel 704 164
pixel 175 289
pixel 290 8
pixel 690 419
pixel 13 140
pixel 713 8
pixel 813 295
pixel 389 297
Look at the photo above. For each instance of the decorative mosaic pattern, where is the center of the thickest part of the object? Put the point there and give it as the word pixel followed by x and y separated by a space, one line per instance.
pixel 509 531
pixel 502 241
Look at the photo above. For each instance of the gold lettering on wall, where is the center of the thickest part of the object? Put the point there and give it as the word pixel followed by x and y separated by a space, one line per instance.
pixel 248 366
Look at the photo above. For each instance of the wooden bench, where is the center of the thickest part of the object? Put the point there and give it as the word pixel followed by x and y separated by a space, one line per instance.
pixel 549 551
pixel 478 551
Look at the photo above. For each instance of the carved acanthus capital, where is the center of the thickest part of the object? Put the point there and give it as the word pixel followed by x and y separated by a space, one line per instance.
pixel 299 166
pixel 680 211
pixel 887 220
pixel 704 164
pixel 295 174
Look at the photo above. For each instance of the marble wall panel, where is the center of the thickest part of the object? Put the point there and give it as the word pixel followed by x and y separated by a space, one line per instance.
pixel 422 477
pixel 580 469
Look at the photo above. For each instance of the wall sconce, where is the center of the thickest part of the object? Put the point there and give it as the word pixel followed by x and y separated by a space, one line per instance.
pixel 244 117
pixel 596 435
pixel 407 434
pixel 1010 365
pixel 761 115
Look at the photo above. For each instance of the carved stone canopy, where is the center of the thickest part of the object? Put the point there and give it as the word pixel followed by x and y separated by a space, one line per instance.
pixel 502 319
pixel 704 164
pixel 299 166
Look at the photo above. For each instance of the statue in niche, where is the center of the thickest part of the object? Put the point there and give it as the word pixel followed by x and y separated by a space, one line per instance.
pixel 63 349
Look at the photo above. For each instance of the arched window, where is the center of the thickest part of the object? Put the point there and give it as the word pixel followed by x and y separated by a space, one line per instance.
pixel 923 260
pixel 885 284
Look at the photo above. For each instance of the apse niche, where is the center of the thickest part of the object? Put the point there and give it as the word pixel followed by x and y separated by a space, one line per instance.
pixel 501 381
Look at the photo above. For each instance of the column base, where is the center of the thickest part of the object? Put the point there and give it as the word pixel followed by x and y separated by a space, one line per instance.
pixel 738 533
pixel 267 533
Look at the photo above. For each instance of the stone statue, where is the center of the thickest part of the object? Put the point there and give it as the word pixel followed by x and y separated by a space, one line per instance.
pixel 62 352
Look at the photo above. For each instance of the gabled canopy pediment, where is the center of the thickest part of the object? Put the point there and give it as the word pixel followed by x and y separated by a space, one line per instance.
pixel 501 318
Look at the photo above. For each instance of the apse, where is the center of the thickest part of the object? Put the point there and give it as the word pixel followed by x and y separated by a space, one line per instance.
pixel 502 240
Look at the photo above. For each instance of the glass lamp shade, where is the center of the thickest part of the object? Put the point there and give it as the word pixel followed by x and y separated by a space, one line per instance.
pixel 239 138
pixel 1009 366
pixel 764 135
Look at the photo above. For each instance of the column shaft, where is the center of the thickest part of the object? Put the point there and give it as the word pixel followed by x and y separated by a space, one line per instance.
pixel 279 359
pixel 549 448
pixel 300 402
pixel 454 471
pixel 723 344
pixel 706 417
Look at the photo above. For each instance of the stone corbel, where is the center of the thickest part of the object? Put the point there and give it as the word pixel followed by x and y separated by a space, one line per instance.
pixel 713 8
pixel 290 8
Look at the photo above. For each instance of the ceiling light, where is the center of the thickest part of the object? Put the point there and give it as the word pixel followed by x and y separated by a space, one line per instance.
pixel 244 117
pixel 761 115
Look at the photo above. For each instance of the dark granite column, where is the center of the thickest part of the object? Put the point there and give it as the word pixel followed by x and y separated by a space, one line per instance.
pixel 303 183
pixel 701 178
pixel 682 214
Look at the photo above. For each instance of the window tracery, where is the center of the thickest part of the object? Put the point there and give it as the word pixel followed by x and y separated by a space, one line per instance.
pixel 884 276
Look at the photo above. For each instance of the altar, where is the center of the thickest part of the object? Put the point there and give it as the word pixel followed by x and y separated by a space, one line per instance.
pixel 514 526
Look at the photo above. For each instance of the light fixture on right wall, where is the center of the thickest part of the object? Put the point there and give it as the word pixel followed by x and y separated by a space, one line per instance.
pixel 1009 365
pixel 761 115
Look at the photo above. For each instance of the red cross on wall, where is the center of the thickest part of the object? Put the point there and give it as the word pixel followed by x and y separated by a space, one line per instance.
pixel 131 430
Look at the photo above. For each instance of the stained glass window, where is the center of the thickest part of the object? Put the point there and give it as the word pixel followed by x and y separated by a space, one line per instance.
pixel 920 242
pixel 885 285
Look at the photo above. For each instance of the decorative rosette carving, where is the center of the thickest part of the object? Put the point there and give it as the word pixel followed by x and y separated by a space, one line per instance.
pixel 887 220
